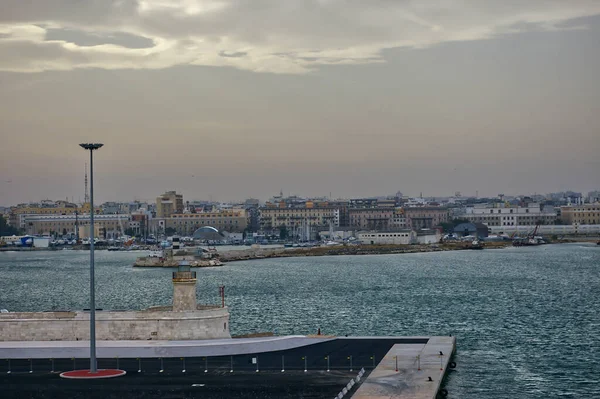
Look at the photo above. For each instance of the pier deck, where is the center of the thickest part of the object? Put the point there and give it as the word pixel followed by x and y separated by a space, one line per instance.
pixel 398 376
pixel 267 367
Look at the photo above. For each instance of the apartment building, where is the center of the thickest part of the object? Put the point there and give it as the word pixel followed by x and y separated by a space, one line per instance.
pixel 371 218
pixel 272 217
pixel 581 214
pixel 168 204
pixel 425 217
pixel 506 215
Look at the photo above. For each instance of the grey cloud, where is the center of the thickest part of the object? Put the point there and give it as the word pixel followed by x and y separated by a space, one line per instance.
pixel 233 54
pixel 311 33
pixel 85 39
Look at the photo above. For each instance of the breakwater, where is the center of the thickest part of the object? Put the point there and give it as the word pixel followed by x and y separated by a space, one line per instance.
pixel 260 253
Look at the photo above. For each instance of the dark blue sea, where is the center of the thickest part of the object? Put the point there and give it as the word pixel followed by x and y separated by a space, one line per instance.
pixel 527 320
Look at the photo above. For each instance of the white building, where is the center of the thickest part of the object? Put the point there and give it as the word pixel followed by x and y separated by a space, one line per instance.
pixel 400 237
pixel 502 215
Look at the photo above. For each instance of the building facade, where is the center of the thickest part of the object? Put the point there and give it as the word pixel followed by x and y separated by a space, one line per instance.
pixel 371 218
pixel 275 217
pixel 581 214
pixel 229 220
pixel 111 225
pixel 425 217
pixel 19 213
pixel 503 215
pixel 168 204
pixel 400 237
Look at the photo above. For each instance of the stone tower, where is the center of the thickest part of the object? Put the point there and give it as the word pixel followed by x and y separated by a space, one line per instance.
pixel 184 288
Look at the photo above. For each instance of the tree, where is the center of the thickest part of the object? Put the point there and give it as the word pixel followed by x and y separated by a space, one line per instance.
pixel 129 231
pixel 6 229
pixel 283 232
pixel 170 231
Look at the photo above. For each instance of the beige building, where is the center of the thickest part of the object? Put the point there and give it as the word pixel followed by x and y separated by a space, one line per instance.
pixel 581 214
pixel 272 217
pixel 230 220
pixel 168 204
pixel 425 217
pixel 61 224
pixel 371 218
pixel 18 214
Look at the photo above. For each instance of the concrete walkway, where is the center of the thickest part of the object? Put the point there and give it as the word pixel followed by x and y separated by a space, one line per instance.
pixel 398 376
pixel 152 349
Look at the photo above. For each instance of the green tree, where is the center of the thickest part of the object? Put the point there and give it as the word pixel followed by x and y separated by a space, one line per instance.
pixel 6 229
pixel 170 231
pixel 283 232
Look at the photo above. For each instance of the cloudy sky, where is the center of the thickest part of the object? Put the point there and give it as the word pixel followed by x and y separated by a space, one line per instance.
pixel 228 99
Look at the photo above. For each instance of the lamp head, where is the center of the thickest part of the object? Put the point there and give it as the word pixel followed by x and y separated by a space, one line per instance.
pixel 91 146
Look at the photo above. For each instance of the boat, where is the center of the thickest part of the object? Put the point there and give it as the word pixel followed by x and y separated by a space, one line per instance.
pixel 476 244
pixel 156 254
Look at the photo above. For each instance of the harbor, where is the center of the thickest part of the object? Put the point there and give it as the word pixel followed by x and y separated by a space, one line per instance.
pixel 507 309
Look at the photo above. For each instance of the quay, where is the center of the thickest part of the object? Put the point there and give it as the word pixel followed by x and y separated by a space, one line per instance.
pixel 414 371
pixel 269 367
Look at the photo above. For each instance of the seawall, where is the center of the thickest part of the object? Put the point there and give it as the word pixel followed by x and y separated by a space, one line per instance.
pixel 151 324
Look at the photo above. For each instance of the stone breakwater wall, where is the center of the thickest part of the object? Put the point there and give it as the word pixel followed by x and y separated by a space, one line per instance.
pixel 260 253
pixel 155 324
pixel 174 262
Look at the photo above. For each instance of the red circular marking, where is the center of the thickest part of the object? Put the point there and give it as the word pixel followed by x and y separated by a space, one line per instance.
pixel 87 375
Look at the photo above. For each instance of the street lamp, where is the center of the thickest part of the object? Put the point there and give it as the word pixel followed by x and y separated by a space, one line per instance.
pixel 93 364
pixel 93 372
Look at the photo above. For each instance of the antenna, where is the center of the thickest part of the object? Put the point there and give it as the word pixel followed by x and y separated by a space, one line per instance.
pixel 86 197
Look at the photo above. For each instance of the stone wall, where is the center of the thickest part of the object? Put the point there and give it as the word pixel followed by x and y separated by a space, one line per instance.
pixel 111 326
pixel 184 295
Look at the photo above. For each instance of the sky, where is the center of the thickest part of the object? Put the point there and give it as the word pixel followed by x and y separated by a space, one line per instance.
pixel 231 99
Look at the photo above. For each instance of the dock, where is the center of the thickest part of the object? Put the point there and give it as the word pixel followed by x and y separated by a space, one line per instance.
pixel 277 367
pixel 405 371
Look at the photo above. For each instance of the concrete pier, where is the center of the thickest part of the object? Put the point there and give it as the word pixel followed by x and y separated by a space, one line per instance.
pixel 405 370
pixel 274 367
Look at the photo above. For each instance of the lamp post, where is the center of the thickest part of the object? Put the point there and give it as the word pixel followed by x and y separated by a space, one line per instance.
pixel 93 364
pixel 93 372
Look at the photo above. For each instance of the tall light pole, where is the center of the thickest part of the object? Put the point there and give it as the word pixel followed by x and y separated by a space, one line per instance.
pixel 93 364
pixel 93 372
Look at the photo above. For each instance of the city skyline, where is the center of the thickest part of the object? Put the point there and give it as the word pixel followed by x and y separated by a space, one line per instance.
pixel 228 100
pixel 585 195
